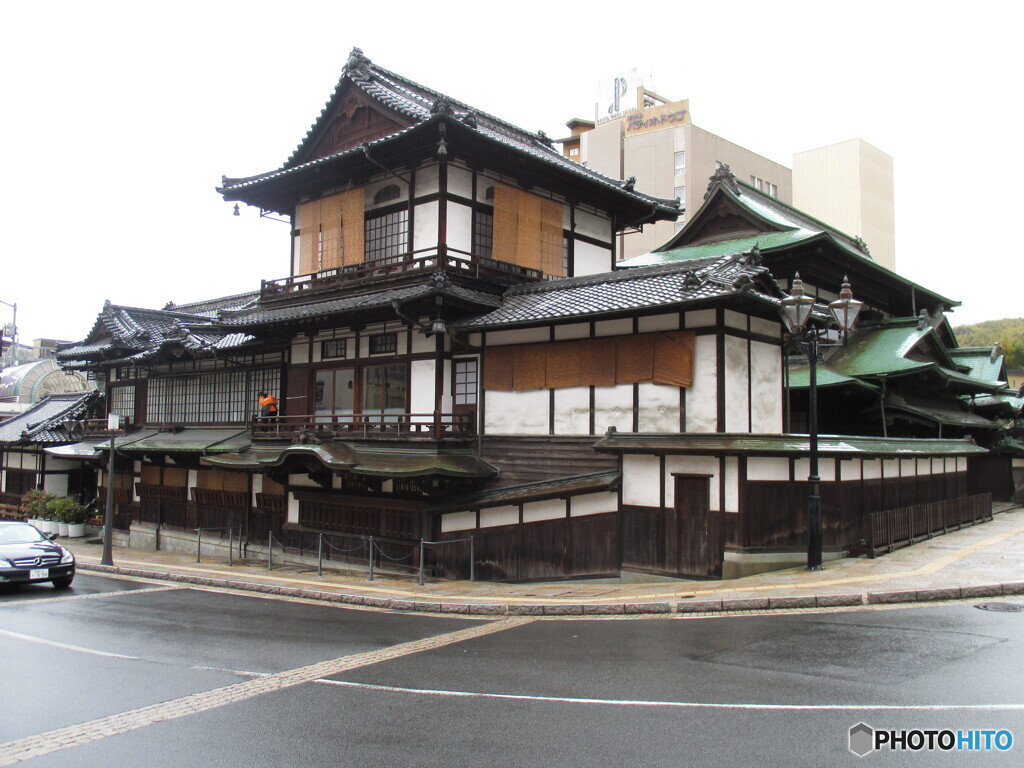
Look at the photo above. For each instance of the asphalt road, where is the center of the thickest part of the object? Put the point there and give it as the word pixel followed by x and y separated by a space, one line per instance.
pixel 150 674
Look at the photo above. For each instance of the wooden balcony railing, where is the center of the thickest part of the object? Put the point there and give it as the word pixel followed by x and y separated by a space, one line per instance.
pixel 428 426
pixel 330 279
pixel 93 428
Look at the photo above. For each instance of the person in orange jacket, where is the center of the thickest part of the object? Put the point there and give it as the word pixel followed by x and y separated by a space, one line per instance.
pixel 268 405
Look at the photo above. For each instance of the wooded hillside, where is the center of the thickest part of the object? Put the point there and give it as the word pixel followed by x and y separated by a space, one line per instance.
pixel 1009 333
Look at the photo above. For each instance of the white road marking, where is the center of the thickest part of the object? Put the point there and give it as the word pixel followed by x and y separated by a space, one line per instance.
pixel 93 596
pixel 672 704
pixel 65 646
pixel 123 722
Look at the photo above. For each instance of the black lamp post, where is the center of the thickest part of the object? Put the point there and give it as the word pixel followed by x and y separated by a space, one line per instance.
pixel 796 313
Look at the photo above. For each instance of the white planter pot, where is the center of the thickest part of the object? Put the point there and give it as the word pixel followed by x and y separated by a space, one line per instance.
pixel 62 529
pixel 48 526
pixel 76 530
pixel 36 522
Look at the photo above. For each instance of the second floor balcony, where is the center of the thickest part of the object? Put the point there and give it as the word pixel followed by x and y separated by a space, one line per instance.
pixel 392 267
pixel 363 426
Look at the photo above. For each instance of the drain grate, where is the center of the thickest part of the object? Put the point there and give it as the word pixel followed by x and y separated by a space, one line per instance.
pixel 1003 607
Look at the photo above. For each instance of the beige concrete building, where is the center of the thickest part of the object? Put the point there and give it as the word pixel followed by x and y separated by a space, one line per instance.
pixel 637 133
pixel 849 185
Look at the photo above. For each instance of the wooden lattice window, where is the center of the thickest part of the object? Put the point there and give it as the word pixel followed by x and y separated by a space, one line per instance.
pixel 383 343
pixel 333 348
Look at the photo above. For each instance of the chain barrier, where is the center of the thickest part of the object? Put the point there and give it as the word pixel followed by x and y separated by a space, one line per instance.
pixel 231 541
pixel 472 558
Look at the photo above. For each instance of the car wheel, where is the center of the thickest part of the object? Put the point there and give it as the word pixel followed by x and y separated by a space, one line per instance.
pixel 62 583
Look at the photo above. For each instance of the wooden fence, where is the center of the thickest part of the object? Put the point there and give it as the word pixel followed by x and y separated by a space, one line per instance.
pixel 891 529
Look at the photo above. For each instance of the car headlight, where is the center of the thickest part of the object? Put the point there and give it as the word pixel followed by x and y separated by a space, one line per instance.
pixel 67 557
pixel 4 564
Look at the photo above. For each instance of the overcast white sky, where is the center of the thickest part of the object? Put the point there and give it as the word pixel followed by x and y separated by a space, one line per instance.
pixel 119 119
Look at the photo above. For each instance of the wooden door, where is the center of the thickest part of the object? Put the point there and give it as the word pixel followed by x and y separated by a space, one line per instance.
pixel 699 545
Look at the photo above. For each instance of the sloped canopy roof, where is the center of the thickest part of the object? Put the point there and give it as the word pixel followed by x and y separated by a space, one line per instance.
pixel 30 382
pixel 49 422
pixel 985 363
pixel 413 119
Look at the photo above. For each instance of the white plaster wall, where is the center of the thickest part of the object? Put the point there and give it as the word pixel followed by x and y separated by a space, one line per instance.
pixel 702 397
pixel 613 407
pixel 693 465
pixel 424 231
pixel 765 327
pixel 961 463
pixel 460 228
pixel 700 318
pixel 659 408
pixel 620 327
pixel 826 469
pixel 950 463
pixel 458 521
pixel 908 467
pixel 460 181
pixel 890 467
pixel 872 469
pixel 56 484
pixel 765 381
pixel 597 227
pixel 735 320
pixel 516 413
pixel 849 469
pixel 737 404
pixel 300 350
pixel 574 331
pixel 732 484
pixel 938 466
pixel 572 411
pixel 257 487
pixel 293 509
pixel 193 478
pixel 640 477
pixel 508 515
pixel 517 336
pixel 659 323
pixel 550 509
pixel 764 468
pixel 427 180
pixel 421 389
pixel 924 466
pixel 371 189
pixel 31 461
pixel 590 259
pixel 594 504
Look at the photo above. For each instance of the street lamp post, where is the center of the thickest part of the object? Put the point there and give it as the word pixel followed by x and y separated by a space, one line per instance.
pixel 11 352
pixel 113 423
pixel 796 313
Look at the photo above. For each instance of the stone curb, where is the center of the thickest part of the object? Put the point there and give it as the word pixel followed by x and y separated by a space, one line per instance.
pixel 686 606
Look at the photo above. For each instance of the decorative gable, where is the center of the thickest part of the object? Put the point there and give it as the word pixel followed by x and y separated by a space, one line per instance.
pixel 352 119
pixel 724 221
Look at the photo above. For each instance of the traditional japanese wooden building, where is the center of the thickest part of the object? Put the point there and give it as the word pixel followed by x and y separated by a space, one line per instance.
pixel 455 355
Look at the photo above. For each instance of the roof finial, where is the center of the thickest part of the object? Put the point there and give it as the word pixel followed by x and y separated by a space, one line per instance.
pixel 356 59
pixel 724 176
pixel 861 245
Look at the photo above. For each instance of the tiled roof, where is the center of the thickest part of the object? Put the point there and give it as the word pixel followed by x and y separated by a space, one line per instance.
pixel 983 365
pixel 621 291
pixel 210 307
pixel 947 413
pixel 782 445
pixel 380 298
pixel 49 421
pixel 420 106
pixel 134 334
pixel 557 488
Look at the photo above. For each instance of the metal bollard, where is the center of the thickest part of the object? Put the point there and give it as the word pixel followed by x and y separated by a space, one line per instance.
pixel 421 562
pixel 199 542
pixel 371 558
pixel 231 544
pixel 472 561
pixel 270 550
pixel 320 555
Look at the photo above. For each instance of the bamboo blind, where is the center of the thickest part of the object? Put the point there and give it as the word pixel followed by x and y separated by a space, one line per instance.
pixel 661 358
pixel 352 211
pixel 527 230
pixel 330 232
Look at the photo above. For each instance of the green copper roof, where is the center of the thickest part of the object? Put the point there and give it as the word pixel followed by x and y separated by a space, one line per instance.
pixel 979 360
pixel 800 377
pixel 764 241
pixel 189 440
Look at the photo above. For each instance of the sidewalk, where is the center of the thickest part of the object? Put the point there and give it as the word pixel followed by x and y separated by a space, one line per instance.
pixel 977 562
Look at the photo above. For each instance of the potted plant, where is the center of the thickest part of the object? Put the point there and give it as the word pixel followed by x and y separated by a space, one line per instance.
pixel 77 517
pixel 67 512
pixel 34 504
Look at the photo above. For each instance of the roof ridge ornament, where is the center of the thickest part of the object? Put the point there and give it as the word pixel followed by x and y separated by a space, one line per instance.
pixel 630 184
pixel 442 106
pixel 725 177
pixel 470 119
pixel 357 62
pixel 861 245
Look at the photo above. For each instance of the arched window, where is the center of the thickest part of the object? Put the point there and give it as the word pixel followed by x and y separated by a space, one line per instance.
pixel 489 193
pixel 387 194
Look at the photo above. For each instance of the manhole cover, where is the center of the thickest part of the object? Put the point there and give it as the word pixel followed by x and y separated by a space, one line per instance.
pixel 1004 607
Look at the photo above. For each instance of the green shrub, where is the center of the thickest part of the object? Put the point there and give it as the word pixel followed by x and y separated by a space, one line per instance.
pixel 36 502
pixel 66 510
